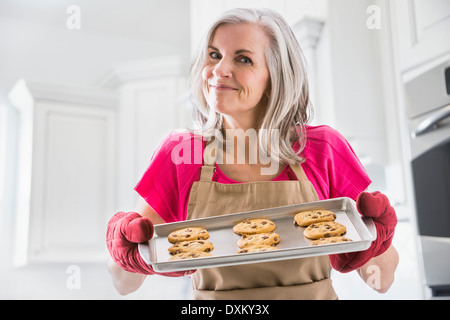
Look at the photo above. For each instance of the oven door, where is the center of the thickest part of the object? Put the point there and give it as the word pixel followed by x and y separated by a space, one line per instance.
pixel 431 175
pixel 431 172
pixel 428 112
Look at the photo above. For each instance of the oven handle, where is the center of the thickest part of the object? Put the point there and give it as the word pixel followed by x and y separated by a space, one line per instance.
pixel 430 122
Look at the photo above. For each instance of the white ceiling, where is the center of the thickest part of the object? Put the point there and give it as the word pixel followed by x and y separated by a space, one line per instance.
pixel 35 43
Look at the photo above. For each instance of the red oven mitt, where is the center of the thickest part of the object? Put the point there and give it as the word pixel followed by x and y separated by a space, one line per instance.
pixel 125 231
pixel 376 206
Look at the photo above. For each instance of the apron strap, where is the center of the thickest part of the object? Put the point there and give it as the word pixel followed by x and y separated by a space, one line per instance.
pixel 298 170
pixel 207 173
pixel 209 160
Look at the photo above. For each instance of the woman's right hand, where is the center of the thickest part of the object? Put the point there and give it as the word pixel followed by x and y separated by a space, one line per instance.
pixel 125 231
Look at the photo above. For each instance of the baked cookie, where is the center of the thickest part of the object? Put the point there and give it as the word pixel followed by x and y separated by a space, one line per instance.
pixel 324 230
pixel 254 226
pixel 257 248
pixel 191 246
pixel 190 255
pixel 329 241
pixel 188 234
pixel 306 218
pixel 268 239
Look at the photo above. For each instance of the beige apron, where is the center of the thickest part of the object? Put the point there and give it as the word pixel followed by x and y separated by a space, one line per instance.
pixel 307 278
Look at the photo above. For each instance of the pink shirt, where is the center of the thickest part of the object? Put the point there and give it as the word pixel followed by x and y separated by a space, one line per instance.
pixel 331 165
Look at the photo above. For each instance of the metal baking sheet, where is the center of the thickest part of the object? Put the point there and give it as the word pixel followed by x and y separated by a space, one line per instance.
pixel 292 245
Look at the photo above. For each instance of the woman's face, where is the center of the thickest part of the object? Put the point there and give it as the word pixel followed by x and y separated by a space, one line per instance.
pixel 236 75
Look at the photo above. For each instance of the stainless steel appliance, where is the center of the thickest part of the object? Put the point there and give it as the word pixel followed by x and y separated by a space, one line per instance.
pixel 428 111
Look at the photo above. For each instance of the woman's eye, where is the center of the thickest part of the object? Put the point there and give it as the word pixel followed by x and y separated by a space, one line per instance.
pixel 245 60
pixel 214 55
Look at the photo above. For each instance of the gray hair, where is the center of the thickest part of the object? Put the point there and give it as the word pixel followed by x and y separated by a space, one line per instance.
pixel 288 106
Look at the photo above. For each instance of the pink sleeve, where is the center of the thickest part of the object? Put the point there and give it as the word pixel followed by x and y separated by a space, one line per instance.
pixel 332 166
pixel 174 167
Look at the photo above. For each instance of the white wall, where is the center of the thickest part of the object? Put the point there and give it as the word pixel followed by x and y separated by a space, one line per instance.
pixel 359 110
pixel 37 45
pixel 203 12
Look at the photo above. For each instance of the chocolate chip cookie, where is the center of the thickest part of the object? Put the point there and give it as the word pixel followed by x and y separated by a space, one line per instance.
pixel 257 248
pixel 268 239
pixel 306 218
pixel 330 240
pixel 324 230
pixel 190 255
pixel 254 226
pixel 191 246
pixel 188 234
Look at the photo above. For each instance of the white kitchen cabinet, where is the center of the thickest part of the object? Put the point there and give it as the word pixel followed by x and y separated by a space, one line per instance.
pixel 66 172
pixel 423 31
pixel 153 100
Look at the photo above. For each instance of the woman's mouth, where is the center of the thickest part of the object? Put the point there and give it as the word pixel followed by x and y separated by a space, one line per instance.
pixel 221 87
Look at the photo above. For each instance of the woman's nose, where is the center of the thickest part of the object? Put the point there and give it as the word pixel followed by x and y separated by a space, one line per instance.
pixel 223 69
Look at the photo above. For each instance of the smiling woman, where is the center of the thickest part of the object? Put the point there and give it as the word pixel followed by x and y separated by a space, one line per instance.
pixel 260 51
pixel 250 75
pixel 236 79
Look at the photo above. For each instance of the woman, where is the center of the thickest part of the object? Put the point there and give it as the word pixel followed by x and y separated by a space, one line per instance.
pixel 250 78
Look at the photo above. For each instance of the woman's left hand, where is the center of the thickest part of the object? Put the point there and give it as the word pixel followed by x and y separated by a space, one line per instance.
pixel 376 206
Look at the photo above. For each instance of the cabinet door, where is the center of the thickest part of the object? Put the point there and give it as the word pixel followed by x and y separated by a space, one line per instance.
pixel 73 181
pixel 423 30
pixel 148 111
